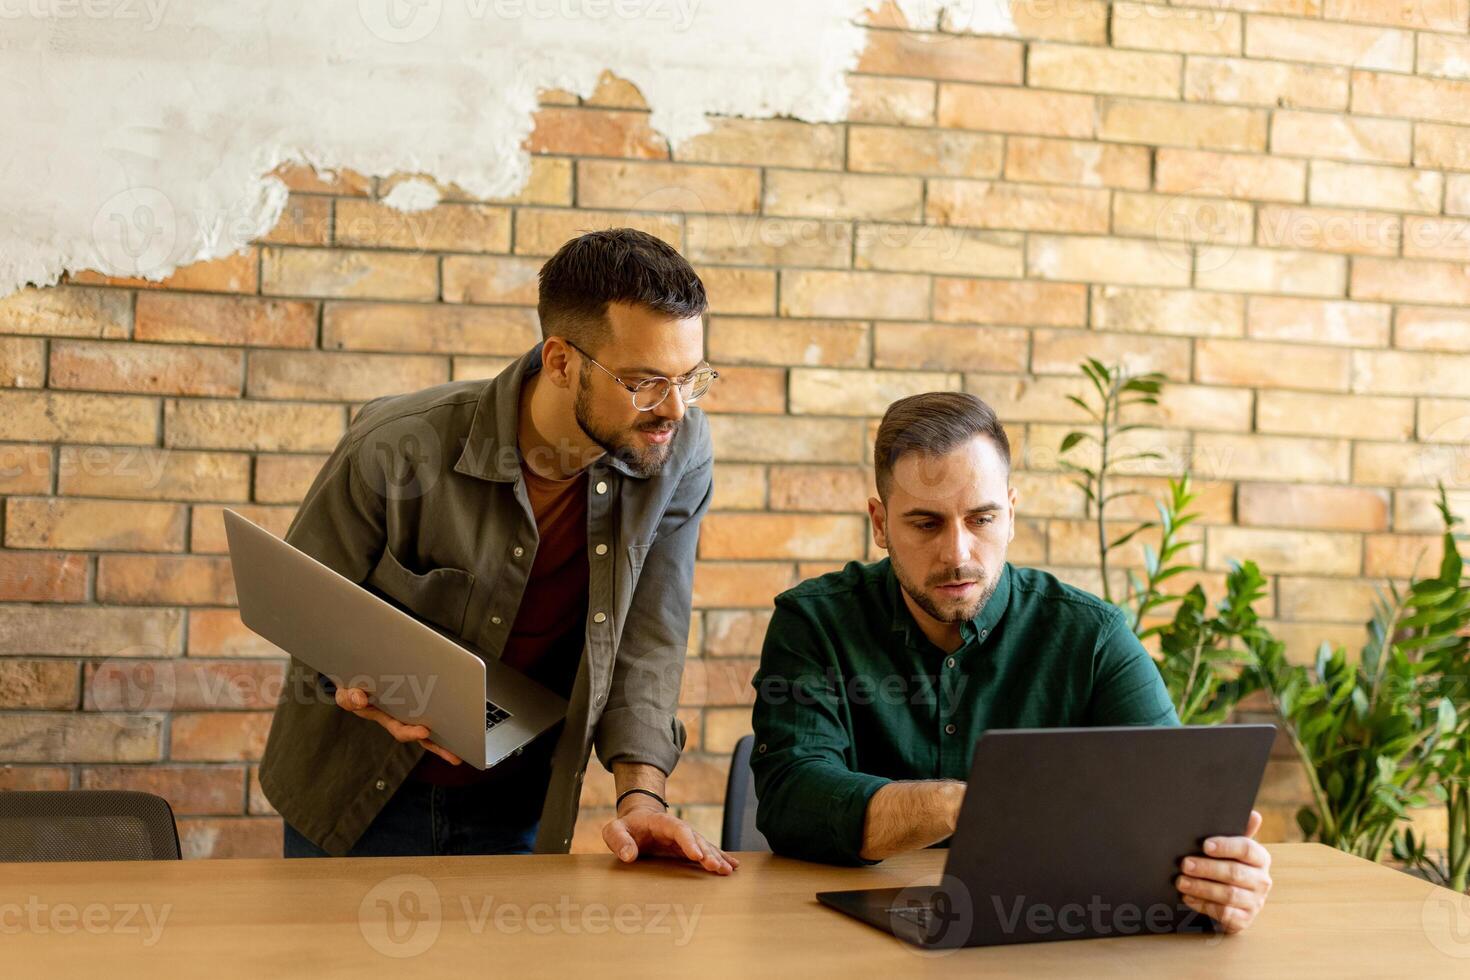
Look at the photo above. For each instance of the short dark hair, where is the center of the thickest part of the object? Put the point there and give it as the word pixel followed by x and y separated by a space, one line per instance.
pixel 618 265
pixel 933 423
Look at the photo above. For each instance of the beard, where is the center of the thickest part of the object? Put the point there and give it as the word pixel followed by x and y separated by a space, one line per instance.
pixel 619 443
pixel 927 602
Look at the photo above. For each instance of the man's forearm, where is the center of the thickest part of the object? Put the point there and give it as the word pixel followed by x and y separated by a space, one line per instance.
pixel 638 775
pixel 909 815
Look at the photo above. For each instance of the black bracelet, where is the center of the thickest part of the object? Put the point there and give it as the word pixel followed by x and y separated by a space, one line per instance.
pixel 638 789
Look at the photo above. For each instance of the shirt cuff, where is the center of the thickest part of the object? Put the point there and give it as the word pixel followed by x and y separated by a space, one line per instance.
pixel 623 736
pixel 847 814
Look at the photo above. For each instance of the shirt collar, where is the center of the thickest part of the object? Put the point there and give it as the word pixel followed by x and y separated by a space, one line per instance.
pixel 971 630
pixel 491 449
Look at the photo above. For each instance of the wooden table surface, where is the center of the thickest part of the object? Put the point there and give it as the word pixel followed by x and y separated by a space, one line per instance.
pixel 587 916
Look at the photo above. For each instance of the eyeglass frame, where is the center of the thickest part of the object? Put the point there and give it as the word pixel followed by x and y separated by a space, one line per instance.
pixel 673 382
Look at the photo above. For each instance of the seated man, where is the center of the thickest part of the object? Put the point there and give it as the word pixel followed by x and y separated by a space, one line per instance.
pixel 876 681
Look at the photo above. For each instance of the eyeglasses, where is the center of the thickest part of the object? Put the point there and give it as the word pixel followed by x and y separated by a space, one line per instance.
pixel 650 393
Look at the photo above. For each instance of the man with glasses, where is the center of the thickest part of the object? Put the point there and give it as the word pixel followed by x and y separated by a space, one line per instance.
pixel 547 517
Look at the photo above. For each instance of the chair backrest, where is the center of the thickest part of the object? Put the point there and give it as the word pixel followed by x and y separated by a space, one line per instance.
pixel 86 825
pixel 738 832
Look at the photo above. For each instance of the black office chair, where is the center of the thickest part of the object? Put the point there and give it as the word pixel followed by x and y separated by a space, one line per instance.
pixel 738 832
pixel 86 825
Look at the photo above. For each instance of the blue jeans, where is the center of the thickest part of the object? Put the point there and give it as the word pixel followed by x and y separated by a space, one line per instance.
pixel 423 819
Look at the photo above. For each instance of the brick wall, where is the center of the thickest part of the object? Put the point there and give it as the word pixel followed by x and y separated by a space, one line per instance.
pixel 1268 200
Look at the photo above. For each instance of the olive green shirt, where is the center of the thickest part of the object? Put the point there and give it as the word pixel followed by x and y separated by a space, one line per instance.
pixel 423 501
pixel 851 694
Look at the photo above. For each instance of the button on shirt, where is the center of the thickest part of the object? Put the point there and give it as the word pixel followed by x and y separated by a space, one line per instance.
pixel 851 694
pixel 545 642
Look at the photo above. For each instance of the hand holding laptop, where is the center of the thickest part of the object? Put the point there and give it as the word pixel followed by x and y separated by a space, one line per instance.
pixel 380 658
pixel 356 700
pixel 1230 885
pixel 1140 843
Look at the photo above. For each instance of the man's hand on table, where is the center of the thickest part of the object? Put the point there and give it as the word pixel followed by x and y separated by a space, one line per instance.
pixel 643 827
pixel 1229 883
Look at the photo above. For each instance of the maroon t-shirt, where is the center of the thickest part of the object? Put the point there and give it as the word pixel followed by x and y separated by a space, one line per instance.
pixel 547 636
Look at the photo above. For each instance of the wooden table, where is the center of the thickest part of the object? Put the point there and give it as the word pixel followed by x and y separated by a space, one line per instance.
pixel 589 917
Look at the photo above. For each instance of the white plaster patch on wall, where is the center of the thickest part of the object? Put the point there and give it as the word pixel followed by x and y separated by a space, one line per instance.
pixel 959 16
pixel 414 194
pixel 139 137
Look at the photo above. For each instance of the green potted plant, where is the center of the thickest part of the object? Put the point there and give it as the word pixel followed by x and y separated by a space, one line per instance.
pixel 1445 762
pixel 1201 653
pixel 1378 735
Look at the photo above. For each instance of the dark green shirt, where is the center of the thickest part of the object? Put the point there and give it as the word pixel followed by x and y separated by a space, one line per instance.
pixel 851 694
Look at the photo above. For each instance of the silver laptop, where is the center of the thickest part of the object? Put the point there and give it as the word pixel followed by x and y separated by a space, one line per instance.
pixel 481 710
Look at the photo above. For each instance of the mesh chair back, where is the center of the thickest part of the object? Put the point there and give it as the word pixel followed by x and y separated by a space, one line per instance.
pixel 738 832
pixel 86 825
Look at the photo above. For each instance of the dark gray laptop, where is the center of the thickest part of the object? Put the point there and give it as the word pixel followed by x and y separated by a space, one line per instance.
pixel 1072 833
pixel 477 708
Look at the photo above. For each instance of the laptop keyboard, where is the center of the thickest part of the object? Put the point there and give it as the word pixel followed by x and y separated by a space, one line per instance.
pixel 494 714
